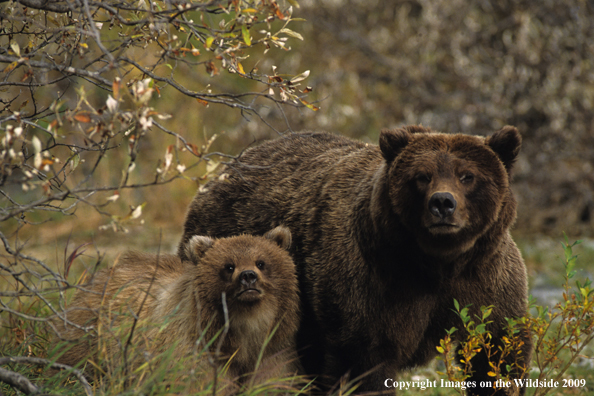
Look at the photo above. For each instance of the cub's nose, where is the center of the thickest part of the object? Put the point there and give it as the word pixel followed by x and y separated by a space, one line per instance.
pixel 442 204
pixel 248 277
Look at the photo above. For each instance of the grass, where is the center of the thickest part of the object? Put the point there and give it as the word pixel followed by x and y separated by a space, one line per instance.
pixel 166 374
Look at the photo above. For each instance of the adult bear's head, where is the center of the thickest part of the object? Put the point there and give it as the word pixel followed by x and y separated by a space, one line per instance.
pixel 450 190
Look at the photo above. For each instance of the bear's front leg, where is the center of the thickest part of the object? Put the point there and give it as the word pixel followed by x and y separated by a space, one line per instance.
pixel 367 368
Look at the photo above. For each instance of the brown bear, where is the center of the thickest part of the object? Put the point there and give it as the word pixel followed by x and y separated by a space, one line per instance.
pixel 252 278
pixel 384 239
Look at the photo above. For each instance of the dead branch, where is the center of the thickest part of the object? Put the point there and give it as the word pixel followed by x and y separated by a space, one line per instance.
pixel 24 385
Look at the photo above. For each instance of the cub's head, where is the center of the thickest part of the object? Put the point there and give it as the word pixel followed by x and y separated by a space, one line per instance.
pixel 250 270
pixel 450 190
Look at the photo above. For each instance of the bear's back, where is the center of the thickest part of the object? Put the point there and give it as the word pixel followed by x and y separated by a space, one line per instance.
pixel 264 182
pixel 299 155
pixel 303 145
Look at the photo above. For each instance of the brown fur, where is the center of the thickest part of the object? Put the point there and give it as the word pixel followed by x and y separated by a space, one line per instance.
pixel 378 268
pixel 188 294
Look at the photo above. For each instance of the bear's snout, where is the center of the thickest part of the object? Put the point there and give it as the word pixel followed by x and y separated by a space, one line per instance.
pixel 442 204
pixel 248 278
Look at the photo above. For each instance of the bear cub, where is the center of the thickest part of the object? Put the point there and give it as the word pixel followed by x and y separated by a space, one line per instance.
pixel 247 280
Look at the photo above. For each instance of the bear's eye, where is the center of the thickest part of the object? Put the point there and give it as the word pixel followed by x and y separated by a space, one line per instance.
pixel 229 268
pixel 423 178
pixel 467 178
pixel 260 264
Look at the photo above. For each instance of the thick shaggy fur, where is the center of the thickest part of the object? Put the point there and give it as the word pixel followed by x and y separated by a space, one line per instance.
pixel 379 262
pixel 188 296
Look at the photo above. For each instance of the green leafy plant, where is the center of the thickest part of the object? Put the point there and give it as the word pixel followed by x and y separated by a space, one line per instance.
pixel 559 336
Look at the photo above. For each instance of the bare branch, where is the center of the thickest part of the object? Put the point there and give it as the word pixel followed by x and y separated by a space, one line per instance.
pixel 18 381
pixel 40 362
pixel 48 5
pixel 61 68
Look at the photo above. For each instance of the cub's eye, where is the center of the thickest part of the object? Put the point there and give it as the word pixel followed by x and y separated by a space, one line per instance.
pixel 423 178
pixel 229 268
pixel 260 264
pixel 467 178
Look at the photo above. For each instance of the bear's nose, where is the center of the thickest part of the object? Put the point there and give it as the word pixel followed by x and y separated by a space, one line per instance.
pixel 442 204
pixel 248 278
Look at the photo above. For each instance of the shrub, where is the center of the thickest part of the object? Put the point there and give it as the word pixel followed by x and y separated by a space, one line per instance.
pixel 559 336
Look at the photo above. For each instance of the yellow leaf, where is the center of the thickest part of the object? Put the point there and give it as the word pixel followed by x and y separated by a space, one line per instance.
pixel 10 67
pixel 309 105
pixel 491 374
pixel 117 83
pixel 202 102
pixel 82 118
pixel 15 48
pixel 240 68
pixel 291 33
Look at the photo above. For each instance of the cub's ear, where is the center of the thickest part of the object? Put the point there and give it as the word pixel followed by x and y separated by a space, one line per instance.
pixel 506 144
pixel 197 246
pixel 392 141
pixel 281 236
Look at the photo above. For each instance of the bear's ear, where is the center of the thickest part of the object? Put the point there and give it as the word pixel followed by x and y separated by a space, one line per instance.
pixel 417 129
pixel 281 236
pixel 392 141
pixel 506 144
pixel 197 246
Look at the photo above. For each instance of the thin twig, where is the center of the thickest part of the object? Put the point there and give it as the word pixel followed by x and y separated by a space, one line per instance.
pixel 221 339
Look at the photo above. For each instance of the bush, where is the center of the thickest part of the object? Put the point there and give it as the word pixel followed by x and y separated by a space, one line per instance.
pixel 559 337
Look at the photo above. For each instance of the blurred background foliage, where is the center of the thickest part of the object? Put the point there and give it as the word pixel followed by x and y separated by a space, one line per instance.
pixel 471 67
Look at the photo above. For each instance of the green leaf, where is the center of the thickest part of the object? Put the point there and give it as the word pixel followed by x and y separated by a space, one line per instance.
pixel 486 312
pixel 74 161
pixel 246 35
pixel 464 314
pixel 456 305
pixel 566 238
pixel 209 42
pixel 568 252
pixel 43 124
